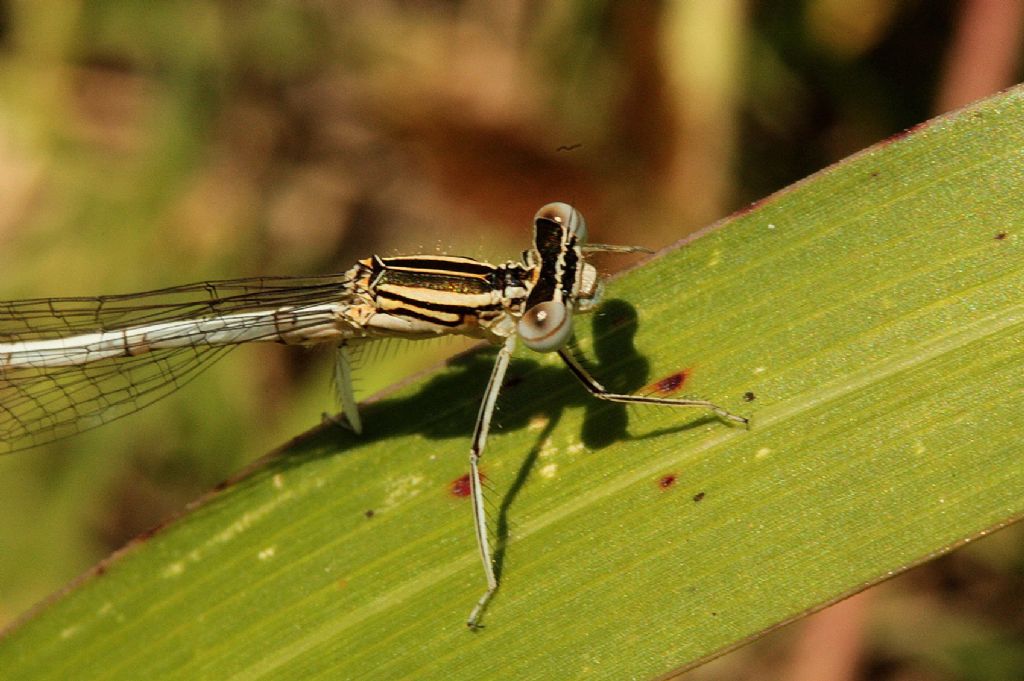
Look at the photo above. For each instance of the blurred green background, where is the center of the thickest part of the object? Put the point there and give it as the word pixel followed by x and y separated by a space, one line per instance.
pixel 145 144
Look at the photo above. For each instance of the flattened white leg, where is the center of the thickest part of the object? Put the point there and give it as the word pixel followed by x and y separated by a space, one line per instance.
pixel 343 386
pixel 600 392
pixel 483 426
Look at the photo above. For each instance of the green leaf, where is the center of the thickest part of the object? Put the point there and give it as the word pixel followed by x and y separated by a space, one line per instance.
pixel 873 312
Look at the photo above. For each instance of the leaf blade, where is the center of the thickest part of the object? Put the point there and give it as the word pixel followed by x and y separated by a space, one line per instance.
pixel 872 312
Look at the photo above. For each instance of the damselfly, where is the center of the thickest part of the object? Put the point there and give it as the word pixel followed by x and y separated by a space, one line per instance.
pixel 70 364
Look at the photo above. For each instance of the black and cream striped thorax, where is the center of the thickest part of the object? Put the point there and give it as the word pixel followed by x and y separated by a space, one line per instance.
pixel 425 295
pixel 442 294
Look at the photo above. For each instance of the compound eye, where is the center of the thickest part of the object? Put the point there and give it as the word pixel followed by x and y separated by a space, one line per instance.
pixel 565 215
pixel 545 326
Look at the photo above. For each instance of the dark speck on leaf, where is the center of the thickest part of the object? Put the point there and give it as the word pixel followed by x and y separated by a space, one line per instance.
pixel 512 381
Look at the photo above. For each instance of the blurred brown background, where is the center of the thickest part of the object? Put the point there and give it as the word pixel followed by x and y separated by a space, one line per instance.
pixel 145 144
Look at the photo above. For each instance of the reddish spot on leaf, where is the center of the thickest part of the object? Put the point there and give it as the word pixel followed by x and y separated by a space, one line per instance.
pixel 900 135
pixel 621 321
pixel 461 486
pixel 754 205
pixel 147 534
pixel 667 480
pixel 672 383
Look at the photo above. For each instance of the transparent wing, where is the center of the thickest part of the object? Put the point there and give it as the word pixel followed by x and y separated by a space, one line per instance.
pixel 41 318
pixel 38 405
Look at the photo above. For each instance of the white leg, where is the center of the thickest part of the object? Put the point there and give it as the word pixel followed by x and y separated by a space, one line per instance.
pixel 483 425
pixel 600 392
pixel 343 386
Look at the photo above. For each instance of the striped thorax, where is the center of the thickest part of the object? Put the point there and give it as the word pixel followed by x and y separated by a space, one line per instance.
pixel 430 295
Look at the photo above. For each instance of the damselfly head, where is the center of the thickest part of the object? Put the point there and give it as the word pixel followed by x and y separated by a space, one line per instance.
pixel 563 281
pixel 556 259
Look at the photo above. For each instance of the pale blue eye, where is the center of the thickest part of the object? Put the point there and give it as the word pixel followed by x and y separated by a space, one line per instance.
pixel 565 215
pixel 546 326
